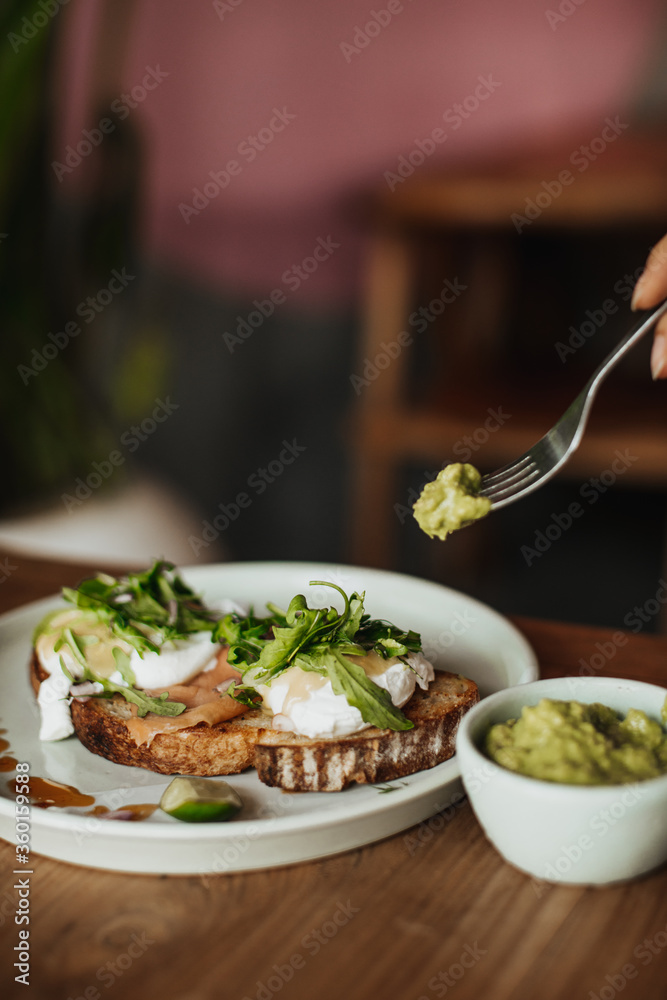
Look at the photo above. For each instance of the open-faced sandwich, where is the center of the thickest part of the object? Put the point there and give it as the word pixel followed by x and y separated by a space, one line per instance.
pixel 314 698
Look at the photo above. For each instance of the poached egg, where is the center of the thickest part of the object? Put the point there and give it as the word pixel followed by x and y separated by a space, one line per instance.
pixel 177 663
pixel 304 702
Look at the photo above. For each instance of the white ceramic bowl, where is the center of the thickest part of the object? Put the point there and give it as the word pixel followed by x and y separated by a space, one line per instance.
pixel 566 833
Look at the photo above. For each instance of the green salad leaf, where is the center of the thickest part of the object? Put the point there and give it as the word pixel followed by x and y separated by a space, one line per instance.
pixel 144 610
pixel 320 640
pixel 144 702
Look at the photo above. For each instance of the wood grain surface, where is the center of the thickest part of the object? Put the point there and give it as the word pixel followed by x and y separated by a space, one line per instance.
pixel 428 913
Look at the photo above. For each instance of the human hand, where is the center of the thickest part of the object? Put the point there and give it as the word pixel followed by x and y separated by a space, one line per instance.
pixel 650 290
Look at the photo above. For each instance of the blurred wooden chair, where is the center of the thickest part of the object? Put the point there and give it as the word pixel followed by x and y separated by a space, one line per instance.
pixel 403 417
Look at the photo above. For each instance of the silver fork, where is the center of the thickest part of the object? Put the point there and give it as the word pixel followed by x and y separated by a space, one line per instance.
pixel 544 459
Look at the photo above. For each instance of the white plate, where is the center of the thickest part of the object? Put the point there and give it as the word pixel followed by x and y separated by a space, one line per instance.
pixel 274 828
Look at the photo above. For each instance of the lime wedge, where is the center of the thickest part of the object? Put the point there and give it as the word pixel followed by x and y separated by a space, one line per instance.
pixel 198 800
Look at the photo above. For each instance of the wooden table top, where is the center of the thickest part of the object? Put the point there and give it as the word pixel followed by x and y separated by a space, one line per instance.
pixel 430 912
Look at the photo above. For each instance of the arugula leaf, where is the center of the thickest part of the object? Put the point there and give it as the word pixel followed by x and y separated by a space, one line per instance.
pixel 277 613
pixel 318 640
pixel 68 638
pixel 373 702
pixel 144 609
pixel 375 633
pixel 353 623
pixel 302 626
pixel 159 706
pixel 144 702
pixel 244 694
pixel 245 638
pixel 66 672
pixel 350 679
pixel 122 661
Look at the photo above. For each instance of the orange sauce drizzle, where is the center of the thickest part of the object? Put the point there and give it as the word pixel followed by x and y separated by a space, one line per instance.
pixel 44 793
pixel 7 763
pixel 141 810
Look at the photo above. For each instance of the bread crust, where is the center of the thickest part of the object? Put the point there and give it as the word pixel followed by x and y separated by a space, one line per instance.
pixel 285 760
pixel 223 748
pixel 298 764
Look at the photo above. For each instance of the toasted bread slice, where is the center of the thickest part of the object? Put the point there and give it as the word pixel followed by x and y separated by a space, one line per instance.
pixel 285 760
pixel 223 748
pixel 298 764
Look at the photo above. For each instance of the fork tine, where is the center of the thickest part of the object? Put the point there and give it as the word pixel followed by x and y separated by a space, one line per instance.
pixel 506 472
pixel 513 485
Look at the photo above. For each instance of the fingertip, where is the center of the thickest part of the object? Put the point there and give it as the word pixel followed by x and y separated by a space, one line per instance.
pixel 651 286
pixel 659 353
pixel 638 294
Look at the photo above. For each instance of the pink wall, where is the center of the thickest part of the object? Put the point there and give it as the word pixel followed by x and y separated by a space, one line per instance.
pixel 228 69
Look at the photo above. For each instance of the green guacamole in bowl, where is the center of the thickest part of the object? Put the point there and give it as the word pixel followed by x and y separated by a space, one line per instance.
pixel 580 744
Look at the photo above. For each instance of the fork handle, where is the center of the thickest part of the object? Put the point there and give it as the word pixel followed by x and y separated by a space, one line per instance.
pixel 645 320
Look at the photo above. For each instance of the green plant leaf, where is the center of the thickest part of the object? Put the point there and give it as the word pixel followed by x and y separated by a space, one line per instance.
pixel 319 640
pixel 144 609
pixel 373 702
pixel 159 705
pixel 123 667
